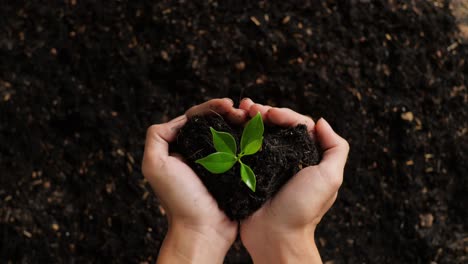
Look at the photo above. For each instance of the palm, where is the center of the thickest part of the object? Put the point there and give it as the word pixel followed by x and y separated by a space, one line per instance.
pixel 201 206
pixel 286 210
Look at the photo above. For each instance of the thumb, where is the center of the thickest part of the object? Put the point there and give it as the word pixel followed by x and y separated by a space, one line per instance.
pixel 335 152
pixel 157 142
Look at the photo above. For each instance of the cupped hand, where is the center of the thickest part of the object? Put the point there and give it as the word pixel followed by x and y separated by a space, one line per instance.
pixel 282 230
pixel 198 230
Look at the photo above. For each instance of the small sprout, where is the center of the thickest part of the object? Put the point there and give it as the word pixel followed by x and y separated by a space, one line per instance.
pixel 226 147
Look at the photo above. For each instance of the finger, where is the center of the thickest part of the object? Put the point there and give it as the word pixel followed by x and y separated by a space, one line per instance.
pixel 252 108
pixel 286 117
pixel 222 107
pixel 245 104
pixel 335 152
pixel 218 106
pixel 166 131
pixel 157 142
pixel 259 108
pixel 237 116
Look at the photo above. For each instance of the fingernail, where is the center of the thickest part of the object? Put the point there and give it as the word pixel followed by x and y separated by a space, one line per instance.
pixel 245 98
pixel 325 123
pixel 232 102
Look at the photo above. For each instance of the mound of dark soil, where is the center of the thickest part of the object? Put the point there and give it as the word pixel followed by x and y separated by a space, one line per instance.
pixel 284 152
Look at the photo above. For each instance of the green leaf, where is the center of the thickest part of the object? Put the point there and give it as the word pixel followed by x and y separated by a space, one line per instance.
pixel 218 162
pixel 248 176
pixel 253 131
pixel 253 147
pixel 223 142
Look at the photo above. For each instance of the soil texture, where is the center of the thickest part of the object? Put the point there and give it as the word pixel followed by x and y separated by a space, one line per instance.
pixel 82 80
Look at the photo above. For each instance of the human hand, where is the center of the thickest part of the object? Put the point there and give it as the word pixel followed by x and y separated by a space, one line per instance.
pixel 282 230
pixel 199 232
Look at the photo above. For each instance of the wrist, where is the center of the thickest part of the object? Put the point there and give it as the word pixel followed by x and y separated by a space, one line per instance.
pixel 187 244
pixel 296 246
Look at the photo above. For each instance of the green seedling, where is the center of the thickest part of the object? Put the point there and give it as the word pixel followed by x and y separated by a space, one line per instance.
pixel 226 147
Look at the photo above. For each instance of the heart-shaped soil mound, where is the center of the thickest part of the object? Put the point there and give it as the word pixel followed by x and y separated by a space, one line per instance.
pixel 284 152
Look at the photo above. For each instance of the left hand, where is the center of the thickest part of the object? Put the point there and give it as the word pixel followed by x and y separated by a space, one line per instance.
pixel 198 230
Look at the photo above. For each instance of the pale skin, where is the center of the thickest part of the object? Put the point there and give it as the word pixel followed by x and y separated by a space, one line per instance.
pixel 281 231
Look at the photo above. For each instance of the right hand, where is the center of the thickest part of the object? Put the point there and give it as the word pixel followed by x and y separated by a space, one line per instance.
pixel 282 230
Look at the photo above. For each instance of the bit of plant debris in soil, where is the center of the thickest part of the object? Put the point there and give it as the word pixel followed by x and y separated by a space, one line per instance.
pixel 80 81
pixel 284 152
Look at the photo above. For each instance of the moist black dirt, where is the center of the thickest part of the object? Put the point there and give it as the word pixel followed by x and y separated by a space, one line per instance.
pixel 284 152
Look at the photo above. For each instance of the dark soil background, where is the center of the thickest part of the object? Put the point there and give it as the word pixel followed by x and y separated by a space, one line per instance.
pixel 80 81
pixel 283 153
